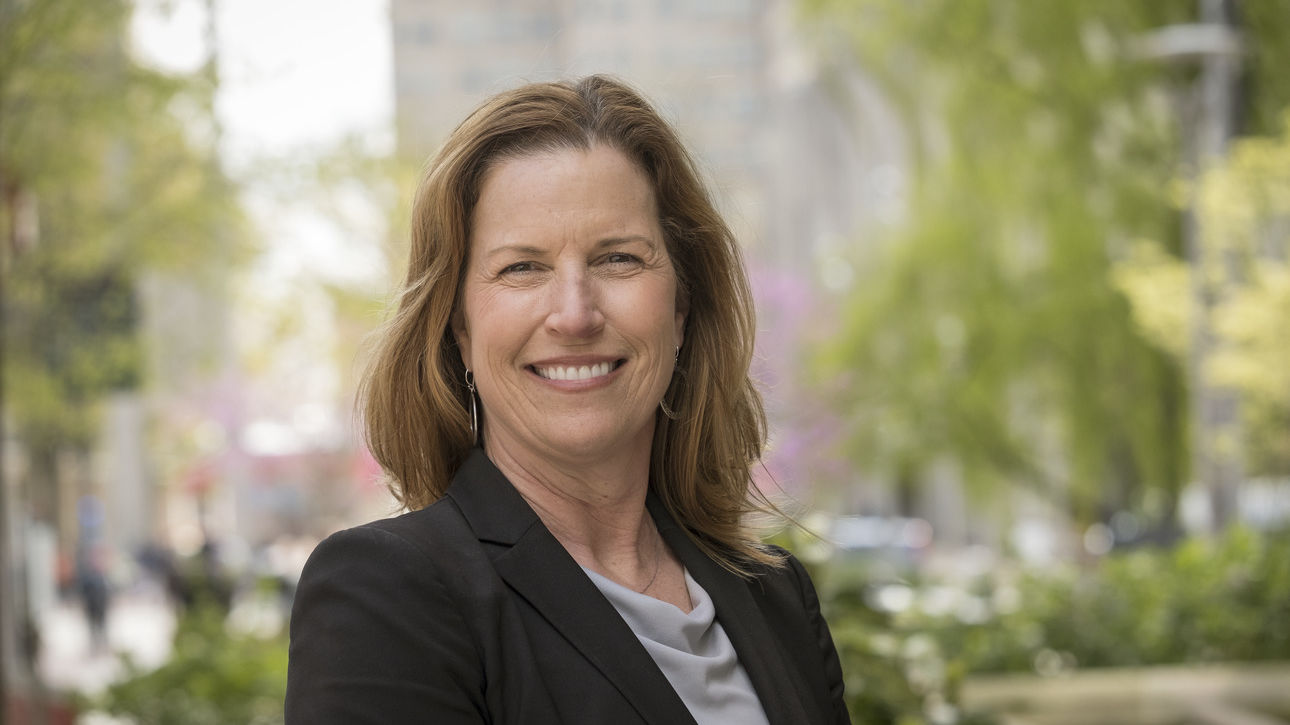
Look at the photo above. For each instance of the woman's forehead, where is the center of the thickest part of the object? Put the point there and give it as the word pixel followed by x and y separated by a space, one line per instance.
pixel 597 192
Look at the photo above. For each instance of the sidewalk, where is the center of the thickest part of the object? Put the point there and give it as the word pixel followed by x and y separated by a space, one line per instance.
pixel 140 624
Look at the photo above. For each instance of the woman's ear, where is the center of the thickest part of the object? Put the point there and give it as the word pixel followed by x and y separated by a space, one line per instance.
pixel 682 311
pixel 462 335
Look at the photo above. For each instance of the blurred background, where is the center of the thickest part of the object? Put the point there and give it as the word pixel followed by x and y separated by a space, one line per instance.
pixel 1023 276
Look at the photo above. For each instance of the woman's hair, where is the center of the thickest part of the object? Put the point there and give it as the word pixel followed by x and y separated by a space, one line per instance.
pixel 415 400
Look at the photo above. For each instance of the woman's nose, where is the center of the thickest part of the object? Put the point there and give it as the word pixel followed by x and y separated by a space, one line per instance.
pixel 575 310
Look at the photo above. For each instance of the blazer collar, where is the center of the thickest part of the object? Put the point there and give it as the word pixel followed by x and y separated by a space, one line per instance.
pixel 777 685
pixel 490 504
pixel 539 568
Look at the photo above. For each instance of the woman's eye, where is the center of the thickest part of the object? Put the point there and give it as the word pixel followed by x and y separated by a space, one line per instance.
pixel 621 258
pixel 518 267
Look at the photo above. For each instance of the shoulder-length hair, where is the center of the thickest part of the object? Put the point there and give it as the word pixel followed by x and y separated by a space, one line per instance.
pixel 415 401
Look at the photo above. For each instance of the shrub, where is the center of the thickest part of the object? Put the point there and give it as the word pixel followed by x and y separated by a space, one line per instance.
pixel 214 676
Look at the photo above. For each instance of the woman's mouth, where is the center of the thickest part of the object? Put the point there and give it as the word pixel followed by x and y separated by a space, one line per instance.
pixel 576 372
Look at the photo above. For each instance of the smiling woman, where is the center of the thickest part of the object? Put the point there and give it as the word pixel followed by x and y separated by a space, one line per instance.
pixel 569 316
pixel 562 399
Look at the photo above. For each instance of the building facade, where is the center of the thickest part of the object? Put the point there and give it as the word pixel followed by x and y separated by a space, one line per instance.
pixel 791 166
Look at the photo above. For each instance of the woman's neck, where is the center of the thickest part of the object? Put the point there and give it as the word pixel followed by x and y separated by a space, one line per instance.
pixel 595 508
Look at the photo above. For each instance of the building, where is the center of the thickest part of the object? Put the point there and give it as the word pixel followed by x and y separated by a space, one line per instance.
pixel 793 175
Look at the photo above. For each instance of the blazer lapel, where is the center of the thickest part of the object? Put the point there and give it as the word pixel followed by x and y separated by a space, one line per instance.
pixel 539 569
pixel 778 686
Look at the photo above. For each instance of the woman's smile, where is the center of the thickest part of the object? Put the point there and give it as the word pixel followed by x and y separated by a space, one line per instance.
pixel 575 372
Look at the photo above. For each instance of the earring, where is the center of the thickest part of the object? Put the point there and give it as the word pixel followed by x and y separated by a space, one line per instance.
pixel 662 404
pixel 474 410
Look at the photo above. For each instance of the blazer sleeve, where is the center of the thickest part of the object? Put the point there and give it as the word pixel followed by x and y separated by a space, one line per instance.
pixel 824 642
pixel 377 638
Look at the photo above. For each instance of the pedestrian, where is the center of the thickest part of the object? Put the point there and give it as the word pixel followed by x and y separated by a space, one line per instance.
pixel 92 585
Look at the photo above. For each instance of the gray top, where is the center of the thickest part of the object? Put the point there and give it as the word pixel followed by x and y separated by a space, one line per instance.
pixel 692 650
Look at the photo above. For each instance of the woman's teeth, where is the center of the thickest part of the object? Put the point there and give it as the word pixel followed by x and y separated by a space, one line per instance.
pixel 584 372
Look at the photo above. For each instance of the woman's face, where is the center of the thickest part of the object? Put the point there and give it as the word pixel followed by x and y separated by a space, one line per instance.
pixel 568 316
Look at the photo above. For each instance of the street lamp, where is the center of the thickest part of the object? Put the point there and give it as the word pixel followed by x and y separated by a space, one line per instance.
pixel 1217 458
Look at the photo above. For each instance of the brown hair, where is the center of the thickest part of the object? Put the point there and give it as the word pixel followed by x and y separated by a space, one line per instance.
pixel 416 403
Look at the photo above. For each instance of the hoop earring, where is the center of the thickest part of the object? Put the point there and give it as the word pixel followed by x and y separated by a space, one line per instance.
pixel 662 404
pixel 474 410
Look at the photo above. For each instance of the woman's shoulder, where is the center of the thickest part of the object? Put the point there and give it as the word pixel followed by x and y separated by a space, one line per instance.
pixel 419 529
pixel 786 579
pixel 429 528
pixel 379 603
pixel 782 563
pixel 416 541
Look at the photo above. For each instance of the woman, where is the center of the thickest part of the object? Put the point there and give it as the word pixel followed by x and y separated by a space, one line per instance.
pixel 562 400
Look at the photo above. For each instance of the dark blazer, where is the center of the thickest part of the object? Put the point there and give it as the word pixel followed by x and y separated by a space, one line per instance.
pixel 470 611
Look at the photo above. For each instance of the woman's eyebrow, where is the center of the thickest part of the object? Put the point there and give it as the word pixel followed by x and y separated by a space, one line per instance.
pixel 608 242
pixel 522 250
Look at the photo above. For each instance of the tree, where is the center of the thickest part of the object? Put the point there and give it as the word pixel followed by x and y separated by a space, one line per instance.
pixel 990 330
pixel 1246 206
pixel 108 173
pixel 123 179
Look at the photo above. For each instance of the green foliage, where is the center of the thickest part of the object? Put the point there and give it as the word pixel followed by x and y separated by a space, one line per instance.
pixel 1208 600
pixel 1204 601
pixel 988 330
pixel 1244 209
pixel 893 675
pixel 213 677
pixel 109 173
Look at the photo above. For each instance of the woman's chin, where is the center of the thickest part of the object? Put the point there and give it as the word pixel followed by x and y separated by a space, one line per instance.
pixel 589 443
